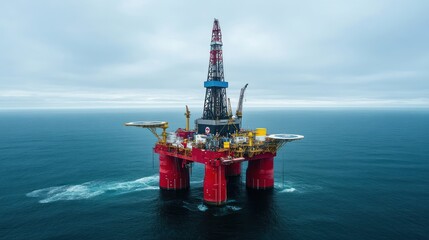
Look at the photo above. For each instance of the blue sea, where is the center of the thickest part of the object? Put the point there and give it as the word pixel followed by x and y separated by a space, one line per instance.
pixel 81 174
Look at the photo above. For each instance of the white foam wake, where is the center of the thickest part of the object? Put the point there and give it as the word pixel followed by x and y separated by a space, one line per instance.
pixel 234 208
pixel 284 188
pixel 215 211
pixel 202 207
pixel 92 189
pixel 196 182
pixel 288 190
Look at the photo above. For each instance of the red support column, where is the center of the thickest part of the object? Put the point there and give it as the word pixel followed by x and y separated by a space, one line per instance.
pixel 215 184
pixel 233 169
pixel 260 173
pixel 172 175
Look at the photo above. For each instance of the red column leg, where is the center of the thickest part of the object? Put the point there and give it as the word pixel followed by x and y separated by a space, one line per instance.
pixel 215 185
pixel 233 169
pixel 172 176
pixel 260 174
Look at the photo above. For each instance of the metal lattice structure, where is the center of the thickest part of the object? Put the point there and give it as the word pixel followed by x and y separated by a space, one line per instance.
pixel 215 103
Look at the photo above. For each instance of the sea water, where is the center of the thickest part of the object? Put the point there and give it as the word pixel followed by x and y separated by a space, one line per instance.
pixel 81 174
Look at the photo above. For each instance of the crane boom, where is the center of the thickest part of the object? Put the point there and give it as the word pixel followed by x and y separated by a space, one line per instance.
pixel 239 112
pixel 187 115
pixel 229 109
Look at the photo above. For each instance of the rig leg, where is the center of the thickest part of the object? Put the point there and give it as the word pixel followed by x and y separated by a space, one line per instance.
pixel 215 185
pixel 260 174
pixel 233 170
pixel 172 175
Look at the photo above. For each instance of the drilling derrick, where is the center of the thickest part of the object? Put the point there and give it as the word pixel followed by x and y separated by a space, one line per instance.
pixel 215 113
pixel 215 107
pixel 217 141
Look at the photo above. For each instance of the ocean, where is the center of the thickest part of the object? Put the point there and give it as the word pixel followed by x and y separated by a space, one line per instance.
pixel 81 174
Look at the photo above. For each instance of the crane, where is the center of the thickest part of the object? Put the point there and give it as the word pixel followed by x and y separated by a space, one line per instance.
pixel 187 115
pixel 239 112
pixel 229 109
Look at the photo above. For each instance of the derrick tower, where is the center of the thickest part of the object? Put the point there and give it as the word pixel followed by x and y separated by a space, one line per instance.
pixel 215 107
pixel 215 117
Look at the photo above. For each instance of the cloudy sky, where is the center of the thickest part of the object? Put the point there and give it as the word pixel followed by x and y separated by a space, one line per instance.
pixel 153 53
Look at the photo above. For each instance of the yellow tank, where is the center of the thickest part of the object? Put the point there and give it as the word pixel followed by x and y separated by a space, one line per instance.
pixel 261 132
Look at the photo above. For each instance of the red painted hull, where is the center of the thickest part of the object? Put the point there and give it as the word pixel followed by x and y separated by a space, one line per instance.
pixel 260 173
pixel 173 175
pixel 215 185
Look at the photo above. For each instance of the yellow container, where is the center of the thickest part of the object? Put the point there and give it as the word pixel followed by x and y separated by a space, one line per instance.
pixel 261 132
pixel 225 144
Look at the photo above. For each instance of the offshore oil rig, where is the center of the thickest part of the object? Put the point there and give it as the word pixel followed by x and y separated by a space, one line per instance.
pixel 218 141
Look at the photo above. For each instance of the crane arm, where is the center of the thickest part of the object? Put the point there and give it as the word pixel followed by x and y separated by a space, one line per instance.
pixel 239 112
pixel 229 108
pixel 187 115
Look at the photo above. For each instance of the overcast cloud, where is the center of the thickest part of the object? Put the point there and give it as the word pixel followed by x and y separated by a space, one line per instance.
pixel 101 53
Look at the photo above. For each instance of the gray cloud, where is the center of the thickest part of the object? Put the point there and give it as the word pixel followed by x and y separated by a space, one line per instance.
pixel 155 53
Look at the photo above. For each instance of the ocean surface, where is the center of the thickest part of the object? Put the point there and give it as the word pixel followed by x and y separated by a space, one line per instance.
pixel 81 174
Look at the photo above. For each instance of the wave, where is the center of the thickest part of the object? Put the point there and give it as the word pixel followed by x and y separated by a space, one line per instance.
pixel 196 182
pixel 288 190
pixel 225 210
pixel 284 188
pixel 93 189
pixel 234 208
pixel 202 207
pixel 215 211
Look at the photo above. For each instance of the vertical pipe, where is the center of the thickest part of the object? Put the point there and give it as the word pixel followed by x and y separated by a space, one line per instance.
pixel 214 185
pixel 260 174
pixel 172 176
